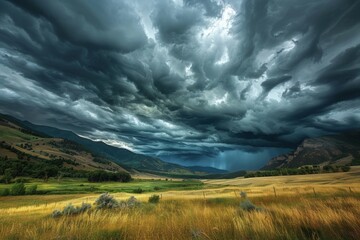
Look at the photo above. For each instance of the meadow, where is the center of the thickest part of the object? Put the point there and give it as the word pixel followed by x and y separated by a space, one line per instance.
pixel 322 206
pixel 81 186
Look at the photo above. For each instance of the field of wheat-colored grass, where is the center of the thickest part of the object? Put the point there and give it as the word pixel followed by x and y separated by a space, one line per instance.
pixel 324 206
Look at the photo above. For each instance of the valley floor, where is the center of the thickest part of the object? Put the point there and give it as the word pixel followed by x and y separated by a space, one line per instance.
pixel 321 206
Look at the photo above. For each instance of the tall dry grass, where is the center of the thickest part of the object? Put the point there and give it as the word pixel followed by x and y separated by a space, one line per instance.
pixel 284 217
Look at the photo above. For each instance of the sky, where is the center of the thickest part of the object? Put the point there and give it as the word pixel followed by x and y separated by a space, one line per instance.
pixel 222 83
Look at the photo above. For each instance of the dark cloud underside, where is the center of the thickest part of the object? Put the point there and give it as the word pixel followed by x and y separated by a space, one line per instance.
pixel 188 81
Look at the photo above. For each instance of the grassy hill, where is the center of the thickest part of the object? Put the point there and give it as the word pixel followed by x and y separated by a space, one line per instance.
pixel 24 152
pixel 99 154
pixel 341 149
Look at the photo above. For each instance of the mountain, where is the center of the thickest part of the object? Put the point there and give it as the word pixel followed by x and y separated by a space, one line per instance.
pixel 21 148
pixel 340 149
pixel 120 156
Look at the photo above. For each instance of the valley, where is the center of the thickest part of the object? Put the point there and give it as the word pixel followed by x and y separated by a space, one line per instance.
pixel 214 211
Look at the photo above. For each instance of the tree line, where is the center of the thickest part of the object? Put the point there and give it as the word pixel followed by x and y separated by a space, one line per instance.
pixel 298 171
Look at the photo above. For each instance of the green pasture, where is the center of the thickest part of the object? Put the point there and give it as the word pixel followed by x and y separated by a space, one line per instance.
pixel 75 186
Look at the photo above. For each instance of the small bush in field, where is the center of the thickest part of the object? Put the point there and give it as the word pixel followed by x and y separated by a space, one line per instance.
pixel 18 189
pixel 243 195
pixel 154 199
pixel 345 168
pixel 138 190
pixel 84 207
pixel 105 200
pixel 246 204
pixel 131 202
pixel 56 214
pixel 5 192
pixel 71 210
pixel 32 189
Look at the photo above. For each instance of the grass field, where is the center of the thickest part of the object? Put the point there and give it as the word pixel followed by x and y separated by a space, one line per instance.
pixel 323 206
pixel 81 186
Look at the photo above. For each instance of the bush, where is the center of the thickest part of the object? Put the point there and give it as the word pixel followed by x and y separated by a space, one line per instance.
pixel 138 190
pixel 157 188
pixel 56 214
pixel 18 189
pixel 5 192
pixel 71 210
pixel 154 199
pixel 105 200
pixel 84 207
pixel 8 176
pixel 246 204
pixel 31 190
pixel 328 168
pixel 130 203
pixel 345 168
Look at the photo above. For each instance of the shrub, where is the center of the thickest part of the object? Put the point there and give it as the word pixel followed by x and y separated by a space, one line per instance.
pixel 84 207
pixel 154 199
pixel 5 192
pixel 18 189
pixel 56 214
pixel 131 202
pixel 157 188
pixel 105 200
pixel 8 176
pixel 246 204
pixel 328 168
pixel 138 190
pixel 32 189
pixel 345 168
pixel 71 210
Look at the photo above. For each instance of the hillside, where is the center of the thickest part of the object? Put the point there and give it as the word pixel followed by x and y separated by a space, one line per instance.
pixel 19 144
pixel 338 149
pixel 125 158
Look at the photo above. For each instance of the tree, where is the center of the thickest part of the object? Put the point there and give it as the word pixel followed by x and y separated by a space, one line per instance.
pixel 7 176
pixel 345 168
pixel 18 189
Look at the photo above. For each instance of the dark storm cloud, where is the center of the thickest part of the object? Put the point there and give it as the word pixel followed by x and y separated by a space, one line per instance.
pixel 184 80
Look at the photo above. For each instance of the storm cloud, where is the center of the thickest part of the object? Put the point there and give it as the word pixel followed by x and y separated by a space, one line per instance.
pixel 213 82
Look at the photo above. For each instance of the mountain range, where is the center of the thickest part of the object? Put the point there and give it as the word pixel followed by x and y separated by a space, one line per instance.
pixel 337 149
pixel 124 158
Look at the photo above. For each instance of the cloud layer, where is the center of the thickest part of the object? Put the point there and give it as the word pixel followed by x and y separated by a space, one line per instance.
pixel 189 81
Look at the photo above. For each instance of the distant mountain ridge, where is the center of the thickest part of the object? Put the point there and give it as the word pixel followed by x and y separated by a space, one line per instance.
pixel 333 149
pixel 121 156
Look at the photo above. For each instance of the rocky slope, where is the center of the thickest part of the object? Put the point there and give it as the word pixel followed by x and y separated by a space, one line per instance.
pixel 338 149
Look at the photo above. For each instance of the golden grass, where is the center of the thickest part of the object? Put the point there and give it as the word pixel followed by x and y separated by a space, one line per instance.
pixel 296 212
pixel 289 217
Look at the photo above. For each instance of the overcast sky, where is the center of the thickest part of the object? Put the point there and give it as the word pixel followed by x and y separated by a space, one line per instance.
pixel 222 83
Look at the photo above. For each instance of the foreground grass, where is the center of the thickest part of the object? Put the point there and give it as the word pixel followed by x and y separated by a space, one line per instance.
pixel 325 206
pixel 290 216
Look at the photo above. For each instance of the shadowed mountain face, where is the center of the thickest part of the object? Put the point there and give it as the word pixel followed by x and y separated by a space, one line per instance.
pixel 334 149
